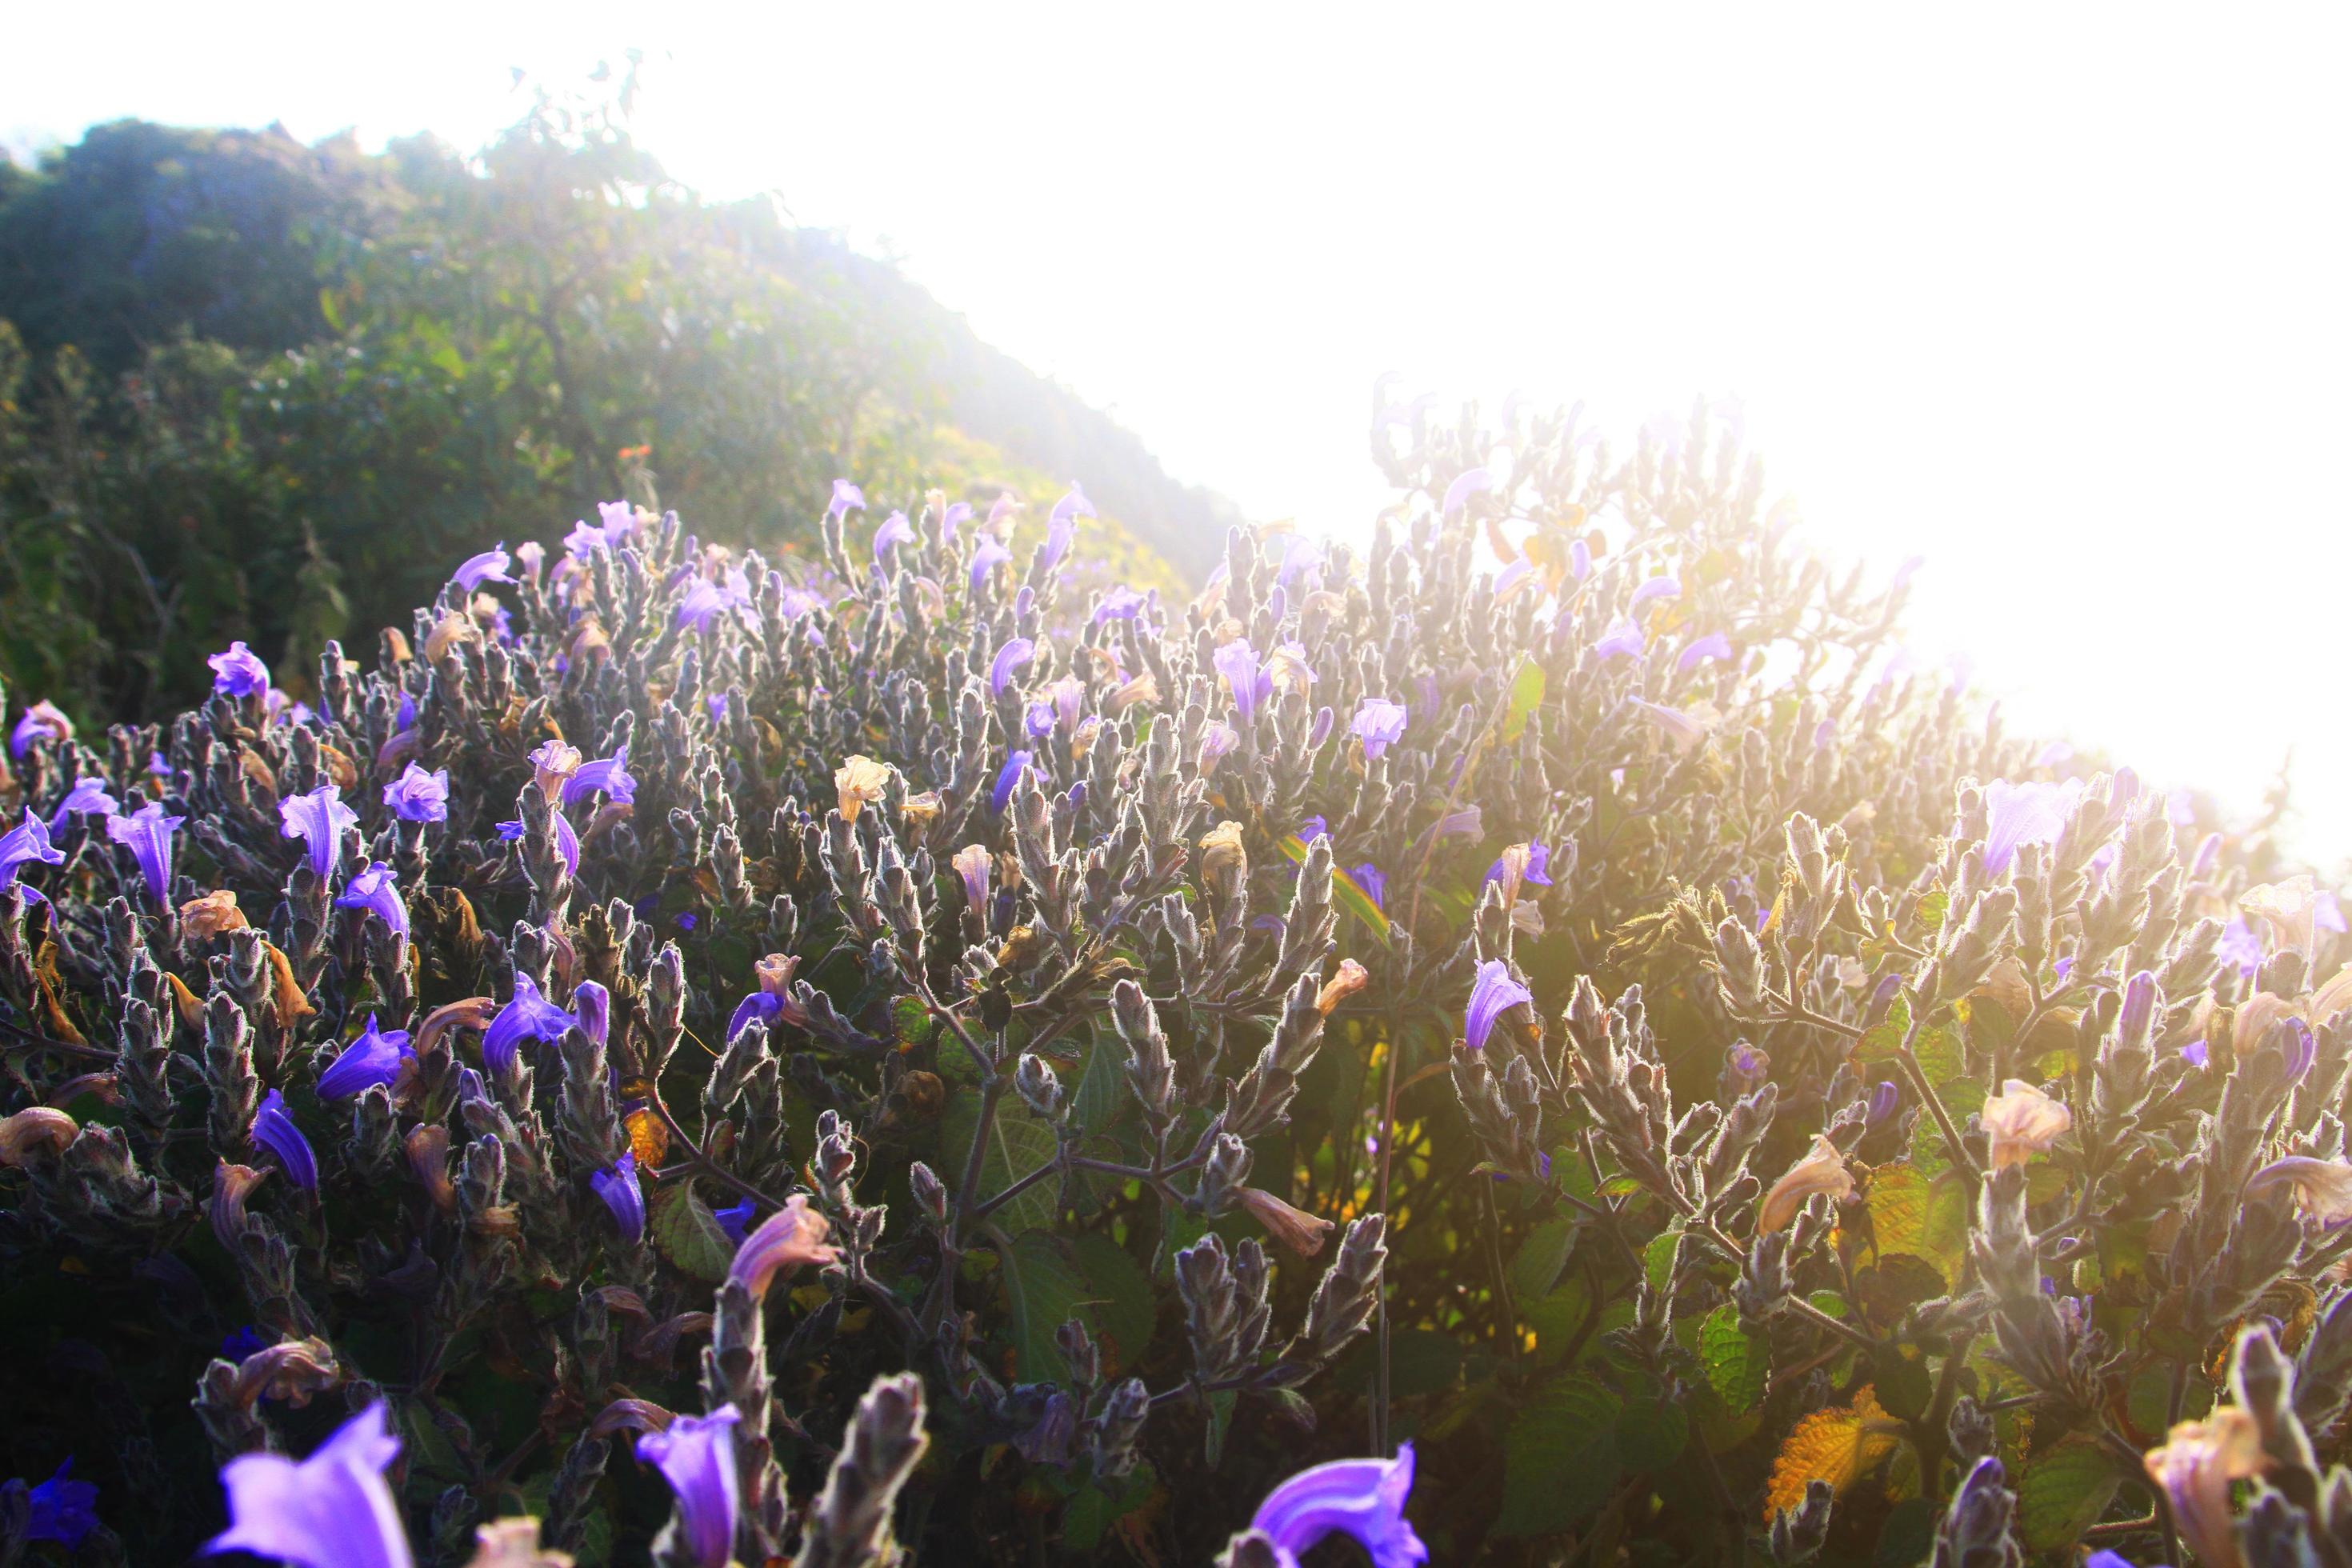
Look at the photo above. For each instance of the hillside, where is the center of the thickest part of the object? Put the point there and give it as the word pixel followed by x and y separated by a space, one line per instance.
pixel 268 387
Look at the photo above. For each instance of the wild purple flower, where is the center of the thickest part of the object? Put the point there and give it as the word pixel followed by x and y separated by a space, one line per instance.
pixel 736 1218
pixel 1069 698
pixel 275 1130
pixel 1715 645
pixel 159 766
pixel 617 518
pixel 527 1016
pixel 2050 755
pixel 895 530
pixel 618 1188
pixel 2302 1050
pixel 1883 1099
pixel 508 831
pixel 2327 913
pixel 62 1510
pixel 591 1011
pixel 1539 864
pixel 704 603
pixel 685 918
pixel 1622 640
pixel 1300 553
pixel 1062 524
pixel 1470 822
pixel 986 557
pixel 2240 946
pixel 1015 653
pixel 1379 724
pixel 239 672
pixel 844 497
pixel 958 513
pixel 697 1458
pixel 1006 777
pixel 1038 720
pixel 88 797
pixel 609 774
pixel 490 566
pixel 1218 742
pixel 2196 1053
pixel 373 1058
pixel 2018 814
pixel 1654 588
pixel 975 864
pixel 765 1005
pixel 24 843
pixel 2139 1009
pixel 149 833
pixel 1374 881
pixel 1580 560
pixel 334 1509
pixel 1361 1498
pixel 417 796
pixel 1470 483
pixel 319 819
pixel 1492 994
pixel 1321 731
pixel 375 890
pixel 586 538
pixel 1118 605
pixel 1250 684
pixel 1312 828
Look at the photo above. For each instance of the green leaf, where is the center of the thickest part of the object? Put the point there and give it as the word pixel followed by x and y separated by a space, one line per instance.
pixel 1102 1087
pixel 2063 1493
pixel 1018 1144
pixel 1908 1535
pixel 1125 1308
pixel 1044 1291
pixel 1526 695
pixel 1658 1257
pixel 684 1231
pixel 1651 1433
pixel 1738 1364
pixel 1881 1044
pixel 1221 1423
pixel 1559 1459
pixel 1536 1268
pixel 1904 1387
pixel 1344 888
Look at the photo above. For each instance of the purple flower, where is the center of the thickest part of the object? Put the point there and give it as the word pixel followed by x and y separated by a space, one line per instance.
pixel 1006 777
pixel 275 1130
pixel 1362 1497
pixel 319 819
pixel 1010 657
pixel 1038 720
pixel 2050 755
pixel 2240 946
pixel 1218 742
pixel 618 1188
pixel 373 1058
pixel 2139 1009
pixel 895 530
pixel 509 831
pixel 986 556
pixel 761 1005
pixel 528 1016
pixel 1539 864
pixel 1883 1099
pixel 1375 883
pixel 419 797
pixel 958 513
pixel 1654 588
pixel 1714 644
pixel 2018 814
pixel 334 1509
pixel 1062 523
pixel 1118 605
pixel 592 1010
pixel 2327 913
pixel 1622 640
pixel 609 774
pixel 704 603
pixel 1379 724
pixel 149 833
pixel 2196 1053
pixel 1238 663
pixel 1493 993
pixel 43 721
pixel 490 566
pixel 697 1457
pixel 373 889
pixel 62 1510
pixel 1312 828
pixel 88 796
pixel 844 497
pixel 26 842
pixel 2302 1050
pixel 239 672
pixel 1458 493
pixel 585 538
pixel 1580 560
pixel 617 518
pixel 736 1218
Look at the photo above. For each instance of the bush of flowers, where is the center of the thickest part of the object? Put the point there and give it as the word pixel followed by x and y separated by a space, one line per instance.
pixel 1547 1038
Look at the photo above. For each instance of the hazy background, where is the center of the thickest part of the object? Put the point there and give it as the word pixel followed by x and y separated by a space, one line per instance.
pixel 2056 299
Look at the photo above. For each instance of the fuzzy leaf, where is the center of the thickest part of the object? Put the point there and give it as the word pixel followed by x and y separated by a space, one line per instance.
pixel 1545 1252
pixel 1526 695
pixel 1839 1445
pixel 1045 1290
pixel 685 1232
pixel 2063 1492
pixel 1559 1460
pixel 1738 1363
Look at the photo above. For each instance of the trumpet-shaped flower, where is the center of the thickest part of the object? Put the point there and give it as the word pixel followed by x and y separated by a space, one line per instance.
pixel 62 1510
pixel 274 1130
pixel 609 774
pixel 895 530
pixel 1062 524
pixel 1374 881
pixel 1621 640
pixel 1495 992
pixel 2018 814
pixel 1007 777
pixel 857 784
pixel 1654 588
pixel 1379 724
pixel 148 831
pixel 319 819
pixel 2198 1462
pixel 88 797
pixel 28 843
pixel 372 1059
pixel 2290 910
pixel 696 1455
pixel 334 1509
pixel 1016 652
pixel 1118 605
pixel 621 1194
pixel 45 721
pixel 239 672
pixel 1250 684
pixel 2021 1122
pixel 528 1017
pixel 417 796
pixel 846 498
pixel 1713 646
pixel 2323 1186
pixel 974 864
pixel 490 566
pixel 1474 481
pixel 1820 1171
pixel 1364 1499
pixel 375 890
pixel 785 1240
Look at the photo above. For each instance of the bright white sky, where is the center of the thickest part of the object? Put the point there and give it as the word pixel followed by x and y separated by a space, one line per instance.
pixel 2055 296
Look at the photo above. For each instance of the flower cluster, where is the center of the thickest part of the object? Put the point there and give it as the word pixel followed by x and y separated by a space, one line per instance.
pixel 680 1059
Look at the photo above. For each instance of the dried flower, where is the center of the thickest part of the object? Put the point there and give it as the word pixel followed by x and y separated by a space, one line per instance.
pixel 2021 1122
pixel 859 780
pixel 2198 1462
pixel 1221 854
pixel 2324 1186
pixel 1350 978
pixel 1821 1171
pixel 1296 1229
pixel 35 1128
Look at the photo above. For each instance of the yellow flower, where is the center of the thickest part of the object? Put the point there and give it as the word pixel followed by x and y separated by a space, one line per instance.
pixel 2021 1120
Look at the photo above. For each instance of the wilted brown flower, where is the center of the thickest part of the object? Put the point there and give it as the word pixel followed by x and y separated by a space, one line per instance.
pixel 1301 1232
pixel 2198 1462
pixel 212 914
pixel 1350 978
pixel 792 1235
pixel 2021 1120
pixel 860 780
pixel 1821 1171
pixel 35 1129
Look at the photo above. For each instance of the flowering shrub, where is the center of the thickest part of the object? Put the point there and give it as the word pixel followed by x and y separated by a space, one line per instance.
pixel 1545 1030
